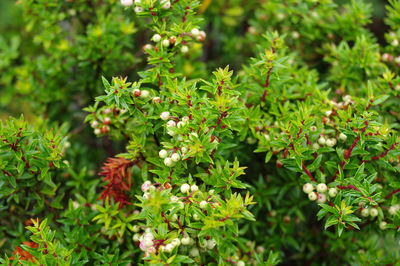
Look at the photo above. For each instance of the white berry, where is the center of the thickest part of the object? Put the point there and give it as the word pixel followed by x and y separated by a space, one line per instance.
pixel 175 157
pixel 94 124
pixel 382 225
pixel 332 192
pixel 165 43
pixel 195 32
pixel 184 49
pixel 321 198
pixel 166 4
pixel 322 141
pixel 364 212
pixel 168 162
pixel 185 188
pixel 163 154
pixel 145 94
pixel 126 2
pixel 171 123
pixel 164 116
pixel 156 37
pixel 186 241
pixel 342 137
pixel 194 188
pixel 373 212
pixel 138 9
pixel 240 263
pixel 321 188
pixel 203 204
pixel 308 188
pixel 194 252
pixel 312 196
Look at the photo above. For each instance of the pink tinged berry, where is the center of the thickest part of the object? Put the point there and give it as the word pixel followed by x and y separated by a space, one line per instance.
pixel 165 4
pixel 146 186
pixel 94 124
pixel 137 92
pixel 156 100
pixel 321 198
pixel 142 246
pixel 164 116
pixel 126 2
pixel 322 188
pixel 312 196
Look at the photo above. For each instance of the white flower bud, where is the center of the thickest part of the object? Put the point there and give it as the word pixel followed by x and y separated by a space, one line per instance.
pixel 185 188
pixel 308 188
pixel 163 154
pixel 321 188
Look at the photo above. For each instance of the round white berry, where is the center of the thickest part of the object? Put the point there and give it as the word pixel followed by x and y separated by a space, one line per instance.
pixel 312 196
pixel 382 225
pixel 176 242
pixel 194 252
pixel 364 212
pixel 94 124
pixel 195 32
pixel 168 162
pixel 308 188
pixel 169 248
pixel 322 140
pixel 138 9
pixel 321 188
pixel 321 198
pixel 137 2
pixel 165 43
pixel 203 204
pixel 185 188
pixel 174 199
pixel 240 263
pixel 315 146
pixel 171 123
pixel 211 244
pixel 126 2
pixel 135 228
pixel 97 131
pixel 313 128
pixel 185 241
pixel 194 188
pixel 395 42
pixel 171 132
pixel 175 157
pixel 148 242
pixel 196 217
pixel 332 192
pixel 145 94
pixel 156 37
pixel 342 137
pixel 392 210
pixel 373 212
pixel 136 237
pixel 328 113
pixel 330 142
pixel 163 154
pixel 164 116
pixel 184 49
pixel 211 192
pixel 185 119
pixel 166 4
pixel 184 149
pixel 397 59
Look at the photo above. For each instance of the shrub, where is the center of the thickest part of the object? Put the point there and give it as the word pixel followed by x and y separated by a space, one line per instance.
pixel 207 164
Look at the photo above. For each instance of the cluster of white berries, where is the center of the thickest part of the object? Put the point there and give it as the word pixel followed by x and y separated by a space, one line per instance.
pixel 330 142
pixel 198 35
pixel 146 241
pixel 319 196
pixel 373 212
